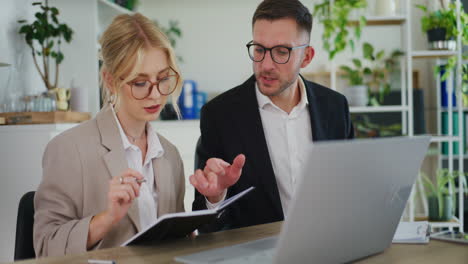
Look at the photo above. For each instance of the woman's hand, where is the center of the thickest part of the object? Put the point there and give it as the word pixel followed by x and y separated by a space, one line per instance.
pixel 123 190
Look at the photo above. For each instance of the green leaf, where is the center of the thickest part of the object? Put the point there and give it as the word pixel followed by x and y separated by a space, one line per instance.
pixel 423 8
pixel 346 69
pixel 25 29
pixel 59 57
pixel 367 50
pixel 54 10
pixel 351 44
pixel 357 63
pixel 380 55
pixel 22 21
pixel 429 185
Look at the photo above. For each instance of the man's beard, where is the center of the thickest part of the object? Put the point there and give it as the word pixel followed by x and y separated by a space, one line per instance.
pixel 282 85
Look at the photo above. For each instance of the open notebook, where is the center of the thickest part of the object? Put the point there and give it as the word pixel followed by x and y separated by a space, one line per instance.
pixel 412 233
pixel 178 225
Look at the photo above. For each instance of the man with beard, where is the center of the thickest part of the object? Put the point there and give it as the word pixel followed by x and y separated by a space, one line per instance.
pixel 265 125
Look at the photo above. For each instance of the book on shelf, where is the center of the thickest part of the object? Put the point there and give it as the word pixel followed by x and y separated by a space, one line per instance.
pixel 455 127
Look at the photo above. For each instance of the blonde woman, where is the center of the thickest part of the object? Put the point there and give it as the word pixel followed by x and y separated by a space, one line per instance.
pixel 110 177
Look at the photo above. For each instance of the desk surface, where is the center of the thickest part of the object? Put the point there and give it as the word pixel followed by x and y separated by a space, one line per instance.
pixel 434 252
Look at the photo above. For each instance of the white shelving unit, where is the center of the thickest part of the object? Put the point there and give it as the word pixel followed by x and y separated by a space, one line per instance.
pixel 449 138
pixel 406 107
pixel 378 109
pixel 434 54
pixel 106 12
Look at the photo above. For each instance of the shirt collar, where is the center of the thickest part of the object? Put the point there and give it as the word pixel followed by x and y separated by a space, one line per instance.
pixel 155 149
pixel 264 100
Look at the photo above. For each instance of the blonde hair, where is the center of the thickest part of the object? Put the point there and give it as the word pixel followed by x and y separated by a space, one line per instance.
pixel 123 46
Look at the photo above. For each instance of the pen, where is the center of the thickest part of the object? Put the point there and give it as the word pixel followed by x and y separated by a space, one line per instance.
pixel 141 181
pixel 100 261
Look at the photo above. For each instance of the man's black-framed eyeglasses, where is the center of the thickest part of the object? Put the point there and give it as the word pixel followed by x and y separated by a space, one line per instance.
pixel 166 84
pixel 279 54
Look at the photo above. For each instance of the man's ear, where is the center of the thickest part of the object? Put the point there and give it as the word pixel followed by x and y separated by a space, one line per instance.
pixel 309 53
pixel 109 81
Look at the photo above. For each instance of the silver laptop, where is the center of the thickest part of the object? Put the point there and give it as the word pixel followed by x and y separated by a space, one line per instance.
pixel 346 207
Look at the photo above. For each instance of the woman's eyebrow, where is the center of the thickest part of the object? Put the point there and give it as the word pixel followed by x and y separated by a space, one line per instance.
pixel 147 75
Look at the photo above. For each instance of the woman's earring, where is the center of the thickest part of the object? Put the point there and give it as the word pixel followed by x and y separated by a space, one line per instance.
pixel 112 99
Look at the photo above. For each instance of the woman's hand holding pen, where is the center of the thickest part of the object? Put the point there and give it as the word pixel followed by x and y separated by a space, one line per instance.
pixel 122 192
pixel 217 176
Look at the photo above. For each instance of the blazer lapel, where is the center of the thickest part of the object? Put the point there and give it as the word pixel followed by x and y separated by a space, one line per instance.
pixel 115 159
pixel 250 122
pixel 161 168
pixel 318 109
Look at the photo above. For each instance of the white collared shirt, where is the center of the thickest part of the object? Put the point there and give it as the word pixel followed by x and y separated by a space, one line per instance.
pixel 288 137
pixel 147 201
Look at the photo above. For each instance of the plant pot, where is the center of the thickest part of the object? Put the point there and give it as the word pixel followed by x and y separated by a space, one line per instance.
pixel 436 34
pixel 357 95
pixel 434 214
pixel 385 8
pixel 437 40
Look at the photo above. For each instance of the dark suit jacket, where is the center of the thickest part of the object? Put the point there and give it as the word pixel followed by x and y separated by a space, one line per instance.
pixel 231 124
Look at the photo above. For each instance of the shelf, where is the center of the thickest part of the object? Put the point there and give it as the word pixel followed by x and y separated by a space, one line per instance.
pixel 455 156
pixel 115 7
pixel 382 20
pixel 107 11
pixel 441 138
pixel 455 109
pixel 377 109
pixel 425 54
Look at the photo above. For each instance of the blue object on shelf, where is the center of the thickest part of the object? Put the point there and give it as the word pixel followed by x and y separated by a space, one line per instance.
pixel 188 100
pixel 201 100
pixel 443 91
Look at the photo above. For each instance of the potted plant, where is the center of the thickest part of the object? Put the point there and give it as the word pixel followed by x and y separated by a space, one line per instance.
pixel 380 69
pixel 44 36
pixel 371 78
pixel 334 17
pixel 357 92
pixel 442 195
pixel 441 26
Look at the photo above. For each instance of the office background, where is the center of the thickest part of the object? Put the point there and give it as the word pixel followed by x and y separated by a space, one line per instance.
pixel 214 55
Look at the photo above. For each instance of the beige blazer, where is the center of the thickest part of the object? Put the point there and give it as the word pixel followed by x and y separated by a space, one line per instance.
pixel 77 167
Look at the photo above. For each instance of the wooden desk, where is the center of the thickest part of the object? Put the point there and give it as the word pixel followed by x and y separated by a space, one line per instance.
pixel 434 252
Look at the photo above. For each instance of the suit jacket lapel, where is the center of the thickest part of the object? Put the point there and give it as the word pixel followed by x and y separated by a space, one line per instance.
pixel 251 129
pixel 115 159
pixel 318 109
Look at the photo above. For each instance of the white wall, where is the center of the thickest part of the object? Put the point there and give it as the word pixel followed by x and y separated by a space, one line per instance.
pixel 80 61
pixel 24 155
pixel 214 38
pixel 215 33
pixel 213 47
pixel 13 49
pixel 81 57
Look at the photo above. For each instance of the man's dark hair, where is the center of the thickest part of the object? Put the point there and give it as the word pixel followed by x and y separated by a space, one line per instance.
pixel 279 9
